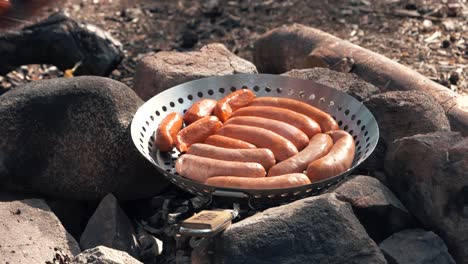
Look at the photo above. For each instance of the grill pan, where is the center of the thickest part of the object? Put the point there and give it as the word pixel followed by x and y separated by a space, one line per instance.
pixel 351 115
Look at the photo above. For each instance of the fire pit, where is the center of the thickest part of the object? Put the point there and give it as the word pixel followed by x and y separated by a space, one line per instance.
pixel 351 115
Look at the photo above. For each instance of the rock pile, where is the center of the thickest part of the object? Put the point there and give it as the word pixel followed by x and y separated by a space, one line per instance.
pixel 69 139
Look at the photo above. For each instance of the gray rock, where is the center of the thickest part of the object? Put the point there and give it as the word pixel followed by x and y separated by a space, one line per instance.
pixel 103 255
pixel 346 82
pixel 71 138
pixel 415 246
pixel 401 114
pixel 429 173
pixel 156 73
pixel 378 209
pixel 110 227
pixel 30 233
pixel 321 229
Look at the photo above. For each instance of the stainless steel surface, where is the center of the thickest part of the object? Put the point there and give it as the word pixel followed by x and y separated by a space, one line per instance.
pixel 351 115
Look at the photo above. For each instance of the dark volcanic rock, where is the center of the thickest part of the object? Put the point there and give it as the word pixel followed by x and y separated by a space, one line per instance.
pixel 378 209
pixel 429 173
pixel 415 246
pixel 61 41
pixel 110 227
pixel 166 69
pixel 71 138
pixel 346 82
pixel 401 114
pixel 103 255
pixel 321 229
pixel 29 232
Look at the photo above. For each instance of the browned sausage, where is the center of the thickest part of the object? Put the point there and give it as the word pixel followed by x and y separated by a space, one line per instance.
pixel 197 132
pixel 232 102
pixel 337 161
pixel 200 169
pixel 167 131
pixel 277 182
pixel 305 124
pixel 262 138
pixel 260 155
pixel 325 120
pixel 226 142
pixel 318 147
pixel 291 133
pixel 199 110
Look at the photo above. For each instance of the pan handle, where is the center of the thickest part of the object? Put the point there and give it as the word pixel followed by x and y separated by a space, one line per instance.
pixel 230 194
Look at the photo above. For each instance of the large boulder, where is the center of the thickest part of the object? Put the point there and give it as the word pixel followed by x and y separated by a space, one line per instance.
pixel 71 138
pixel 110 227
pixel 31 233
pixel 429 173
pixel 103 255
pixel 320 229
pixel 415 246
pixel 163 70
pixel 378 209
pixel 401 114
pixel 346 82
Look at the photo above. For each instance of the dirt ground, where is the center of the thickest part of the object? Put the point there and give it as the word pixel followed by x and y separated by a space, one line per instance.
pixel 428 36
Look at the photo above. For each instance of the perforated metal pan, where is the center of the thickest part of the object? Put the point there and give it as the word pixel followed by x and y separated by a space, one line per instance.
pixel 350 114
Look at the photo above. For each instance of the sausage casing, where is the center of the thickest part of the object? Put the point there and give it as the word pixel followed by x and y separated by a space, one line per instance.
pixel 262 138
pixel 318 147
pixel 277 182
pixel 200 168
pixel 197 132
pixel 324 119
pixel 167 131
pixel 289 132
pixel 302 122
pixel 232 102
pixel 260 155
pixel 227 142
pixel 338 160
pixel 199 110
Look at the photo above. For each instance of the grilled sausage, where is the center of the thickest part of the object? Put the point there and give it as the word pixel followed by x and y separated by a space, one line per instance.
pixel 337 161
pixel 302 122
pixel 318 147
pixel 199 110
pixel 167 131
pixel 277 182
pixel 262 138
pixel 197 132
pixel 291 133
pixel 260 155
pixel 200 168
pixel 325 120
pixel 226 142
pixel 232 102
